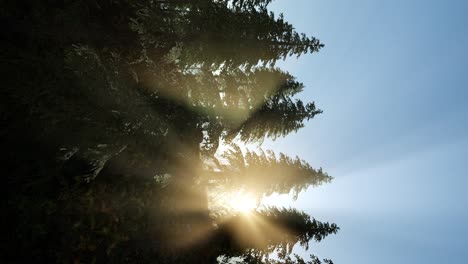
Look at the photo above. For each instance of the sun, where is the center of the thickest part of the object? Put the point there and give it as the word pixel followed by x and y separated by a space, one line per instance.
pixel 242 202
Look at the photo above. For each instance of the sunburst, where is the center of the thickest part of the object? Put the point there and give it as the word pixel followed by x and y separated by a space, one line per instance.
pixel 242 202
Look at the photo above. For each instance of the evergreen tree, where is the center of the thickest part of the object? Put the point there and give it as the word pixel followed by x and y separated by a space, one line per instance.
pixel 263 173
pixel 217 35
pixel 256 236
pixel 277 118
pixel 298 260
pixel 110 106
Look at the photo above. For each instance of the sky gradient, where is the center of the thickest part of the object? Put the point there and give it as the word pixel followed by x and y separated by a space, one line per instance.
pixel 393 82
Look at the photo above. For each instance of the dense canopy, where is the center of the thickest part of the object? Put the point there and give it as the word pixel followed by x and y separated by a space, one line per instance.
pixel 123 119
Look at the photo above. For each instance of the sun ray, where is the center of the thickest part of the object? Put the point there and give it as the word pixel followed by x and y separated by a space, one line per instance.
pixel 243 202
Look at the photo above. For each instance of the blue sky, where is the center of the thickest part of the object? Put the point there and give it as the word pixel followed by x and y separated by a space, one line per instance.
pixel 393 83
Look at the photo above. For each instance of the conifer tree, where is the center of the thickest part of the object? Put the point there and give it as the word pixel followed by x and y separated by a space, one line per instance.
pixel 108 106
pixel 217 35
pixel 276 118
pixel 254 237
pixel 264 173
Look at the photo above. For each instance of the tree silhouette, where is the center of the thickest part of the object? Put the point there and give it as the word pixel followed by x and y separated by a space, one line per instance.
pixel 113 111
pixel 263 173
pixel 251 104
pixel 276 118
pixel 213 34
pixel 270 230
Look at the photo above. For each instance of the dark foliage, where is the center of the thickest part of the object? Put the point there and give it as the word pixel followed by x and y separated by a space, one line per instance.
pixel 111 113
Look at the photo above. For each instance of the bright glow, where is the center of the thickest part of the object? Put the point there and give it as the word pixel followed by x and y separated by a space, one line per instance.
pixel 242 202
